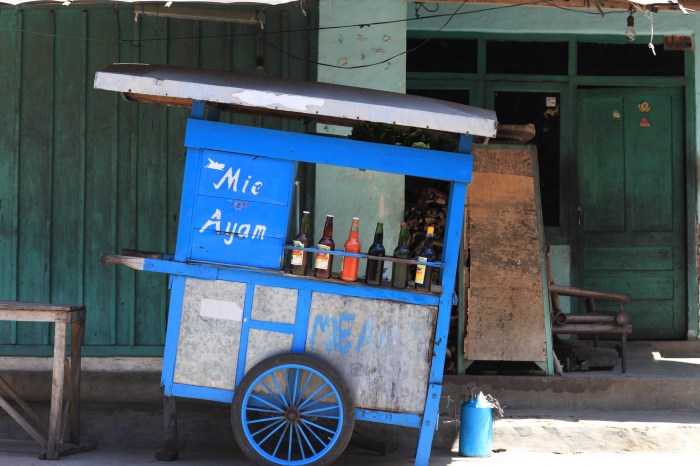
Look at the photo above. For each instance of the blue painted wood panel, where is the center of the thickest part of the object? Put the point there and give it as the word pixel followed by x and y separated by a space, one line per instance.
pixel 245 178
pixel 241 211
pixel 239 232
pixel 329 151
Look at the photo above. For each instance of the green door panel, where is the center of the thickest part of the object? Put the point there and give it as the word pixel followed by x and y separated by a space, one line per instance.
pixel 649 163
pixel 631 232
pixel 628 258
pixel 603 152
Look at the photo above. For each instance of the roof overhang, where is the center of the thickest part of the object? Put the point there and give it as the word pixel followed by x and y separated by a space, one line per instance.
pixel 315 101
pixel 163 2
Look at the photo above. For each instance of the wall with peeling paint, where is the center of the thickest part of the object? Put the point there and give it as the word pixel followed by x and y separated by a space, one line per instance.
pixel 345 193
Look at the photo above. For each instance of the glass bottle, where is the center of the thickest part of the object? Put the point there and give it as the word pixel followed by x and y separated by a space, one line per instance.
pixel 399 270
pixel 350 264
pixel 375 268
pixel 301 240
pixel 324 262
pixel 424 272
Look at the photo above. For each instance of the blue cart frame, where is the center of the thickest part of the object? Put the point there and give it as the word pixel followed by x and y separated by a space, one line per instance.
pixel 197 257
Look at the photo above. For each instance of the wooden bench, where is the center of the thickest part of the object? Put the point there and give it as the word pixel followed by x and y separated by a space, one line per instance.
pixel 595 321
pixel 65 382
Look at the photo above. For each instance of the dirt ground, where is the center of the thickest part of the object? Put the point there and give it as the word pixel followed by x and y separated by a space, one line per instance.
pixel 521 438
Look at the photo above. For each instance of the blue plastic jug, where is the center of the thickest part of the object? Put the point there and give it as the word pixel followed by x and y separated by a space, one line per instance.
pixel 475 429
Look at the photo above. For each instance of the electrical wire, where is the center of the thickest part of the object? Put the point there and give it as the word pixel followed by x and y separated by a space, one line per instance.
pixel 595 13
pixel 421 5
pixel 449 16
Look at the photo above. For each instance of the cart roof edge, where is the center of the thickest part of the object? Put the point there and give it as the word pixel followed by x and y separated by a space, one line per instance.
pixel 322 102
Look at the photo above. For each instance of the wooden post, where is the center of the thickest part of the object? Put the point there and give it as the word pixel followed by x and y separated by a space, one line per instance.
pixel 170 451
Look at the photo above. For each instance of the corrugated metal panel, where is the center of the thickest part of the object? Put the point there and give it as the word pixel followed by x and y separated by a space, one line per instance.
pixel 82 173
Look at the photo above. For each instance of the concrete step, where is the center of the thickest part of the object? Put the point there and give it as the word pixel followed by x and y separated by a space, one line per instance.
pixel 660 376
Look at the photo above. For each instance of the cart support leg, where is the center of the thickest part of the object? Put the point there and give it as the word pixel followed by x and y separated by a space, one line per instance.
pixel 428 425
pixel 170 451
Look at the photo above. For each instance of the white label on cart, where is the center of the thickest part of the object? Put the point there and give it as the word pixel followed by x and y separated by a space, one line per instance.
pixel 217 309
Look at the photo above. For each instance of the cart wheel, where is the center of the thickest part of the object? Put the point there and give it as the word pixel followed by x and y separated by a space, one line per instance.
pixel 292 409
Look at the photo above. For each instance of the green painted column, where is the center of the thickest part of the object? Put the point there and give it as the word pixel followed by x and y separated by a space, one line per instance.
pixel 345 193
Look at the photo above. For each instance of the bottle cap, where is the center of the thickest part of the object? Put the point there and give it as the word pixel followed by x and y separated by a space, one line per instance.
pixel 329 215
pixel 403 224
pixel 356 218
pixel 306 212
pixel 431 230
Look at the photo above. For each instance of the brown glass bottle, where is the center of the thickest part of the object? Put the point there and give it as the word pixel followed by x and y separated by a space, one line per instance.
pixel 300 259
pixel 375 268
pixel 424 272
pixel 323 265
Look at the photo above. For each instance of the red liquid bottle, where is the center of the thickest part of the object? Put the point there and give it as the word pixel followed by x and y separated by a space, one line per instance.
pixel 350 264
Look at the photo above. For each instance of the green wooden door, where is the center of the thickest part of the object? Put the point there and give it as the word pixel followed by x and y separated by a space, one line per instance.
pixel 83 172
pixel 631 224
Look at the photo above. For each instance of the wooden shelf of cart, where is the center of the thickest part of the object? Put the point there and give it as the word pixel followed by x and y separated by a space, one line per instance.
pixel 232 309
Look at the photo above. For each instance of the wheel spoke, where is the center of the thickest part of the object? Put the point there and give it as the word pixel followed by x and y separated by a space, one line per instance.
pixel 274 395
pixel 283 396
pixel 279 426
pixel 267 419
pixel 322 408
pixel 279 442
pixel 320 440
pixel 303 390
pixel 296 387
pixel 301 406
pixel 318 426
pixel 296 429
pixel 290 401
pixel 318 401
pixel 308 442
pixel 263 400
pixel 290 442
pixel 264 410
pixel 321 416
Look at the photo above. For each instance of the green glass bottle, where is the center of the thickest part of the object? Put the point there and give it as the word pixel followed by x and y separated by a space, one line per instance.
pixel 399 270
pixel 375 268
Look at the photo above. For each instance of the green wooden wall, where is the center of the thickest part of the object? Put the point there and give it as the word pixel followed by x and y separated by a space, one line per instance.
pixel 83 172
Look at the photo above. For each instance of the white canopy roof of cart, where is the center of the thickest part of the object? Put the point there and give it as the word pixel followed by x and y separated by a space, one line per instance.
pixel 323 102
pixel 164 2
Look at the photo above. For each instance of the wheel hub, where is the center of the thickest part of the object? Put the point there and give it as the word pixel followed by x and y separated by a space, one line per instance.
pixel 292 415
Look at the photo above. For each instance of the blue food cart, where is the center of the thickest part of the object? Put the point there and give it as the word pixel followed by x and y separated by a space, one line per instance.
pixel 299 359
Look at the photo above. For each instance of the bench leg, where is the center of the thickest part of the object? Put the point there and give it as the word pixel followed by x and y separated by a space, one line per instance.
pixel 77 332
pixel 57 386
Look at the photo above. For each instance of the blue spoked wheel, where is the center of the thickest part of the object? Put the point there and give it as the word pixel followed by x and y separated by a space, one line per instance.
pixel 292 409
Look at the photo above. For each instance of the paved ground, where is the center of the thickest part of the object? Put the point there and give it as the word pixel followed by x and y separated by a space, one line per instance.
pixel 523 437
pixel 599 435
